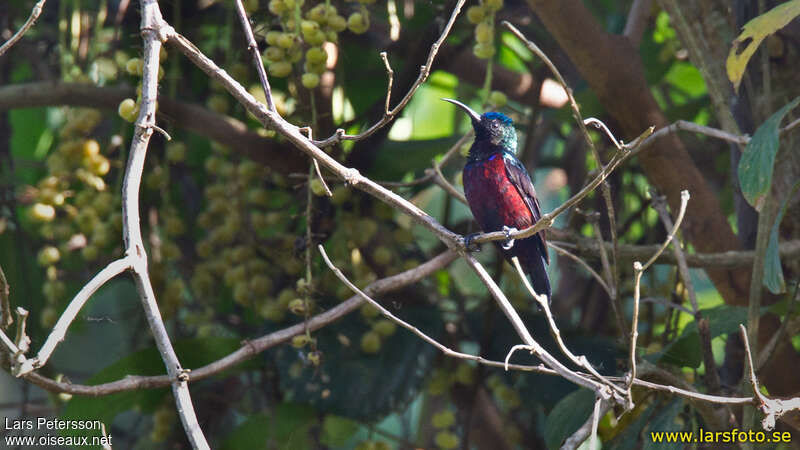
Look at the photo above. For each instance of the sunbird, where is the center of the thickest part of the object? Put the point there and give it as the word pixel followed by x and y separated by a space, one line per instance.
pixel 500 192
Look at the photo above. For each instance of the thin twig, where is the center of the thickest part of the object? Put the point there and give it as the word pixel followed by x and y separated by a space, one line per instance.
pixel 638 270
pixel 544 304
pixel 773 408
pixel 660 205
pixel 68 316
pixel 582 263
pixel 390 81
pixel 440 180
pixel 252 47
pixel 389 115
pixel 530 343
pixel 35 13
pixel 444 349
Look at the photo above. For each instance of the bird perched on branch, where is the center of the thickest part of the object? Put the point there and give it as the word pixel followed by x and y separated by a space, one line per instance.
pixel 500 192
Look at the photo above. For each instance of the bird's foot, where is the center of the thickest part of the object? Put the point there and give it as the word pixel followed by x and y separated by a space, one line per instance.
pixel 469 245
pixel 509 242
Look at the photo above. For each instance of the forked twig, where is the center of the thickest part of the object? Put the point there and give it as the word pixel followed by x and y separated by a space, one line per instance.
pixel 389 115
pixel 638 270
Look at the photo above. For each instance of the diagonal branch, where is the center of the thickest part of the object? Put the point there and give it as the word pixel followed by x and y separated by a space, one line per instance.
pixel 35 13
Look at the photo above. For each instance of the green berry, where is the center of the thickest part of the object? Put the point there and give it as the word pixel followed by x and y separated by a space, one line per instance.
pixel 277 7
pixel 446 440
pixel 368 311
pixel 273 36
pixel 280 69
pixel 475 14
pixel 317 188
pixel 286 40
pixel 382 256
pixel 128 109
pixel 316 55
pixel 297 306
pixel 176 151
pixel 498 98
pixel 310 81
pixel 43 213
pixel 274 54
pixel 317 68
pixel 443 419
pixel 337 23
pixel 308 27
pixel 314 358
pixel 358 23
pixel 370 342
pixel 48 256
pixel 483 51
pixel 134 66
pixel 316 38
pixel 493 5
pixel 384 327
pixel 484 32
pixel 301 340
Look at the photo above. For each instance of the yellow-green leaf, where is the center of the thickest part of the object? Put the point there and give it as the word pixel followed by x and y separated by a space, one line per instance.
pixel 753 33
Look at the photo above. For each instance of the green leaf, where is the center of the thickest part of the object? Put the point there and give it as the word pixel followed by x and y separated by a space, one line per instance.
pixel 773 272
pixel 337 430
pixel 287 427
pixel 665 421
pixel 628 438
pixel 685 351
pixel 567 416
pixel 758 159
pixel 753 33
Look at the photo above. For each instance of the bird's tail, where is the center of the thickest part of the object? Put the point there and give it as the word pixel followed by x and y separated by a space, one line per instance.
pixel 535 267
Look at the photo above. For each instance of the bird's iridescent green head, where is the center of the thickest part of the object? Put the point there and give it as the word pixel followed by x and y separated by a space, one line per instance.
pixel 493 127
pixel 498 129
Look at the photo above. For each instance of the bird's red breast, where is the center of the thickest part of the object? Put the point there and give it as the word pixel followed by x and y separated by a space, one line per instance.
pixel 492 197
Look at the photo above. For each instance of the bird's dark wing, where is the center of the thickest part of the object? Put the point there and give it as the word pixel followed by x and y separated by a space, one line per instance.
pixel 520 178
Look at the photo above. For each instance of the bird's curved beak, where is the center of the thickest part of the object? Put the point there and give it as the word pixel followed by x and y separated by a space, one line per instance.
pixel 472 114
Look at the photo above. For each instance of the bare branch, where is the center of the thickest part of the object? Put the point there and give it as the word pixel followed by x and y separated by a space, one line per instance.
pixel 151 26
pixel 444 349
pixel 252 47
pixel 35 12
pixel 588 247
pixel 530 343
pixel 638 270
pixel 253 347
pixel 60 329
pixel 773 409
pixel 544 304
pixel 389 115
